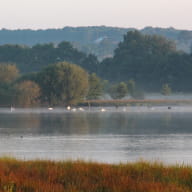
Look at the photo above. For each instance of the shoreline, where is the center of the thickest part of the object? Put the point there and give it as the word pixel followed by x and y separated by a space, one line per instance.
pixel 112 103
pixel 136 102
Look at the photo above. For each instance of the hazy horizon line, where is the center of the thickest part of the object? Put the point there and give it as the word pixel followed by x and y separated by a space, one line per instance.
pixel 86 26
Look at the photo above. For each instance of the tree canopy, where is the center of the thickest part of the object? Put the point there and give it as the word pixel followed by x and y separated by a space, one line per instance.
pixel 63 83
pixel 118 91
pixel 8 72
pixel 166 90
pixel 27 93
pixel 150 61
pixel 31 59
pixel 95 87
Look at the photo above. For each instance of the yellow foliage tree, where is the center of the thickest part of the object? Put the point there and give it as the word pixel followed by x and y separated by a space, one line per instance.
pixel 28 93
pixel 8 73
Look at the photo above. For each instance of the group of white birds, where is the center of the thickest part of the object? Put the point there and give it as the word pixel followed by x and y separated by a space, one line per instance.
pixel 75 109
pixel 69 108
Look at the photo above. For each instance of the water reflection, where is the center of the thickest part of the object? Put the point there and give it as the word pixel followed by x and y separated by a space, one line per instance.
pixel 111 136
pixel 84 123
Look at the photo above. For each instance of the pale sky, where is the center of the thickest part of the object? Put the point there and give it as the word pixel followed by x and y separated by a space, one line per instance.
pixel 42 14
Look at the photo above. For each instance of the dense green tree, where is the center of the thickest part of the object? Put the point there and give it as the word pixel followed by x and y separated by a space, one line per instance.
pixel 151 61
pixel 119 90
pixel 7 94
pixel 95 87
pixel 131 87
pixel 90 63
pixel 31 59
pixel 63 83
pixel 166 90
pixel 134 91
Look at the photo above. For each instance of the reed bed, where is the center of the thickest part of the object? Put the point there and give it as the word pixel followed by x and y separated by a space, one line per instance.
pixel 79 176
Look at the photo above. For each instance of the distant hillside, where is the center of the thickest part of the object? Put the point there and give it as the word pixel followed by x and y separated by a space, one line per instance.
pixel 182 38
pixel 100 41
pixel 84 35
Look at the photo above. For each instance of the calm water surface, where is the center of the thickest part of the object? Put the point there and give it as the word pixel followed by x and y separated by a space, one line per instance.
pixel 116 135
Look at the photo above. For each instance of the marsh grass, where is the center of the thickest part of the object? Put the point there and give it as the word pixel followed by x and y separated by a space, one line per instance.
pixel 79 176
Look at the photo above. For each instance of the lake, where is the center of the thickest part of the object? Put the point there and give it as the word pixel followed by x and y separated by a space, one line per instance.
pixel 123 134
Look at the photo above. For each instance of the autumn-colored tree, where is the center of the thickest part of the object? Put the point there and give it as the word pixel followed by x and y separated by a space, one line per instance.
pixel 8 73
pixel 28 93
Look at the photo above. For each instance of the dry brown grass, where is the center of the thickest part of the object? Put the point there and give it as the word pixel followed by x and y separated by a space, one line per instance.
pixel 79 176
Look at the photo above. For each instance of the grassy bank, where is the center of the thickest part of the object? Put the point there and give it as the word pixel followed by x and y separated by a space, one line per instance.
pixel 136 102
pixel 78 176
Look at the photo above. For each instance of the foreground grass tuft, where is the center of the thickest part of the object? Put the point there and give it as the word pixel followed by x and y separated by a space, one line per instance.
pixel 79 176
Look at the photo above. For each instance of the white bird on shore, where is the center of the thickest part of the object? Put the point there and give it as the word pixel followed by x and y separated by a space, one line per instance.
pixel 103 110
pixel 74 109
pixel 12 109
pixel 124 109
pixel 81 109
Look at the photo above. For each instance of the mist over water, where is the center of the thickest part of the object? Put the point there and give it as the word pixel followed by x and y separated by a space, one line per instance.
pixel 115 135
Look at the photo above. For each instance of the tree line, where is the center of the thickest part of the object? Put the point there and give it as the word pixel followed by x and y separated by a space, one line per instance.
pixel 151 61
pixel 35 58
pixel 89 39
pixel 60 74
pixel 59 84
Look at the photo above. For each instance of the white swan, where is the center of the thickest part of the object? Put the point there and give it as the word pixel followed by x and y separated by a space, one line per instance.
pixel 103 110
pixel 81 109
pixel 12 109
pixel 74 109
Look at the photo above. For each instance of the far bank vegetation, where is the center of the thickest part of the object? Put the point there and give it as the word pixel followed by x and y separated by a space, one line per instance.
pixel 60 75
